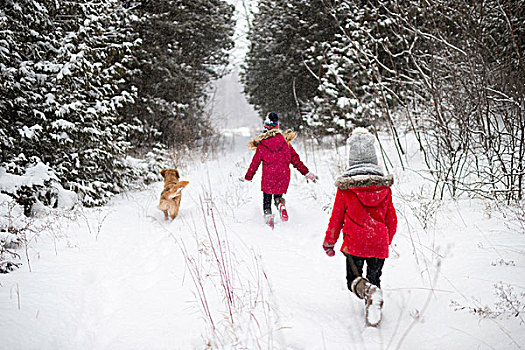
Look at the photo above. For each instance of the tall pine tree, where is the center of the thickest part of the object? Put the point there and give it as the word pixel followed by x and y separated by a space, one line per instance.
pixel 184 47
pixel 61 92
pixel 354 89
pixel 85 134
pixel 287 44
pixel 28 43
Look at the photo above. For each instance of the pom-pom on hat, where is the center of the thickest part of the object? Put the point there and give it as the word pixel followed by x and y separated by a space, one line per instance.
pixel 361 148
pixel 271 121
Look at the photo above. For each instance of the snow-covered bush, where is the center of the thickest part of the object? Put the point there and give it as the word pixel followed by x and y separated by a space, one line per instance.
pixel 16 231
pixel 509 303
pixel 423 206
pixel 516 215
pixel 512 215
pixel 21 196
pixel 459 81
pixel 146 170
pixel 34 186
pixel 10 224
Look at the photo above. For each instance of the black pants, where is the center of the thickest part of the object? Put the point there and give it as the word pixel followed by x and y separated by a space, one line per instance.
pixel 267 201
pixel 373 269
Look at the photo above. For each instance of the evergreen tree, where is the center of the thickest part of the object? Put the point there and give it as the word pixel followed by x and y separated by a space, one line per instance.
pixel 184 47
pixel 62 70
pixel 85 137
pixel 287 45
pixel 75 90
pixel 27 45
pixel 346 95
pixel 356 88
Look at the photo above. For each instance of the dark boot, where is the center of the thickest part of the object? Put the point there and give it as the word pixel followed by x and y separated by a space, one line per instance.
pixel 359 286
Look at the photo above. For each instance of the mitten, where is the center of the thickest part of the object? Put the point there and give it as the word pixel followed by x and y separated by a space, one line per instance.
pixel 312 177
pixel 329 249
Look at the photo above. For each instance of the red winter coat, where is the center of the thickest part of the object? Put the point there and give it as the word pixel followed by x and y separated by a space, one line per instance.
pixel 276 154
pixel 363 209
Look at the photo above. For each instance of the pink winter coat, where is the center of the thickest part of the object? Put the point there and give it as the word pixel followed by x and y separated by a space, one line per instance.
pixel 276 154
pixel 363 209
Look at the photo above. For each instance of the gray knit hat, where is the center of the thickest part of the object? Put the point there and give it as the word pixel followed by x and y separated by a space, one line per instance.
pixel 361 148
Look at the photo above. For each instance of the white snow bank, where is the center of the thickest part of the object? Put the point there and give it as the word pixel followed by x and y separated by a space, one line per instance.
pixel 35 175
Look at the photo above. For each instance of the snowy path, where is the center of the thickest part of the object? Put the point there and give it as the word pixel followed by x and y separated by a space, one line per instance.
pixel 120 278
pixel 127 285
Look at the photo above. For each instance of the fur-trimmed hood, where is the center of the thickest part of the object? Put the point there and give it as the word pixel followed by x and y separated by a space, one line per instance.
pixel 288 135
pixel 371 190
pixel 345 182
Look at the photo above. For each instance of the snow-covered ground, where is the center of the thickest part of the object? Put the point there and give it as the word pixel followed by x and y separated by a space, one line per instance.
pixel 120 277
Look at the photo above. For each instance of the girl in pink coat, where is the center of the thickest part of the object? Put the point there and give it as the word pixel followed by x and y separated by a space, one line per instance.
pixel 274 150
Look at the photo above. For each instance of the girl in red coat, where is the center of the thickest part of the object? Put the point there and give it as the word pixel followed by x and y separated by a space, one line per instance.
pixel 274 150
pixel 364 211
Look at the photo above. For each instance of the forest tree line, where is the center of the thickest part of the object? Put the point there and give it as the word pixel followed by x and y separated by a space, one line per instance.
pixel 84 84
pixel 93 93
pixel 452 71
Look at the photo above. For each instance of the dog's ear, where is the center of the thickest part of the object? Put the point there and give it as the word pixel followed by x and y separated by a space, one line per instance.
pixel 163 172
pixel 177 172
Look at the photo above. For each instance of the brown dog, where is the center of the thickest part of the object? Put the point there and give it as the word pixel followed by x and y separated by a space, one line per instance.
pixel 170 196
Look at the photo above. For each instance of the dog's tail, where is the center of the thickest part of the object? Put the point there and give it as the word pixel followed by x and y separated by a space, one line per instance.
pixel 180 186
pixel 175 190
pixel 176 194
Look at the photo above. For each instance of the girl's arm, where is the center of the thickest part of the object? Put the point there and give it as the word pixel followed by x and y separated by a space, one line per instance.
pixel 296 162
pixel 336 220
pixel 391 219
pixel 256 160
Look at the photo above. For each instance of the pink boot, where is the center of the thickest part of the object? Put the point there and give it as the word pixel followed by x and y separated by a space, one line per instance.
pixel 284 213
pixel 268 218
